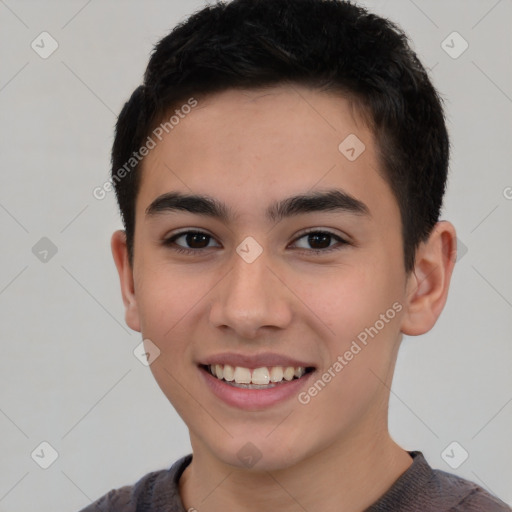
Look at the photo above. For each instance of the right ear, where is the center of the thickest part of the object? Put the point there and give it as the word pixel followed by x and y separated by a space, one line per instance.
pixel 125 271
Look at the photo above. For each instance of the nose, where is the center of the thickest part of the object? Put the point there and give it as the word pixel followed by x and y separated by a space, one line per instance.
pixel 250 298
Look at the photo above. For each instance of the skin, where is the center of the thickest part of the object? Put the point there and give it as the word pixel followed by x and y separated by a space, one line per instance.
pixel 248 149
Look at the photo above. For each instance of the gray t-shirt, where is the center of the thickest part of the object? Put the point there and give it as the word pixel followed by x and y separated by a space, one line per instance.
pixel 419 489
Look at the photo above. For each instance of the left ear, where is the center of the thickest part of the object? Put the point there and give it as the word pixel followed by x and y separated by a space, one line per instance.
pixel 427 285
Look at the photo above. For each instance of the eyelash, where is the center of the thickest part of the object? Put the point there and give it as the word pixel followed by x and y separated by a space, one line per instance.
pixel 170 242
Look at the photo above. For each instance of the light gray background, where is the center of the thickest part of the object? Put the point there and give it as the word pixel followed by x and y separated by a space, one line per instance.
pixel 68 373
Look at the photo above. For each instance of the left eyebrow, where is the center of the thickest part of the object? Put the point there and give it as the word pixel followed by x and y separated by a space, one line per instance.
pixel 318 201
pixel 330 200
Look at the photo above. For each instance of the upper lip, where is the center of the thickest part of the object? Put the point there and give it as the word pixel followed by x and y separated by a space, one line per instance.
pixel 254 361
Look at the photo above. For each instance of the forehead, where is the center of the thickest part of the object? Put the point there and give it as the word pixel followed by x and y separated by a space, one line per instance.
pixel 252 147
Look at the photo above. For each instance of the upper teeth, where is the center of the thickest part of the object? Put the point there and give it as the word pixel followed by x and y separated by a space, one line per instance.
pixel 261 376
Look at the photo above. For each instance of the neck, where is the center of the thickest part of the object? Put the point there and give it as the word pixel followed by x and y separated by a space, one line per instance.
pixel 345 477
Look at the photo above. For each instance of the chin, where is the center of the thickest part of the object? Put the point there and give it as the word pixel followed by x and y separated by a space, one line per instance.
pixel 260 452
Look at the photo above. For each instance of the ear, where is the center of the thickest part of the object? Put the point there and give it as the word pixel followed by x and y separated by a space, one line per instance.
pixel 427 285
pixel 125 271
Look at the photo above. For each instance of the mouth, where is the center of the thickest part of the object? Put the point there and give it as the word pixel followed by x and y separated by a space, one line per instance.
pixel 264 377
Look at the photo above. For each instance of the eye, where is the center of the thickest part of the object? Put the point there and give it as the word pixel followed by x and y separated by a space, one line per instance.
pixel 194 242
pixel 320 242
pixel 314 241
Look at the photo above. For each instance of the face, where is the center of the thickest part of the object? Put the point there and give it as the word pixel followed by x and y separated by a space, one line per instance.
pixel 257 288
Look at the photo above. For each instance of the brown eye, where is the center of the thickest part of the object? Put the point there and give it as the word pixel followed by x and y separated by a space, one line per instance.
pixel 319 242
pixel 197 240
pixel 190 241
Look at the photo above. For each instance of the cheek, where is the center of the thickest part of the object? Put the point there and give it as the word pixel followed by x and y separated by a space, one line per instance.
pixel 167 301
pixel 350 298
pixel 361 306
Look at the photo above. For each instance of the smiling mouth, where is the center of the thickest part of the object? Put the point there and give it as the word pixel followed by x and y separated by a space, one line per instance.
pixel 257 378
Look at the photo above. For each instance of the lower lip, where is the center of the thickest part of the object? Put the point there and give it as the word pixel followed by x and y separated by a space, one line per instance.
pixel 254 399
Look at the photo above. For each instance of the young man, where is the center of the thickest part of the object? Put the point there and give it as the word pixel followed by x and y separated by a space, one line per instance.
pixel 280 175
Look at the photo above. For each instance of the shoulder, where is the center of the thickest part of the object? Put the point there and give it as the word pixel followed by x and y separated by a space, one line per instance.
pixel 465 495
pixel 116 500
pixel 146 494
pixel 424 489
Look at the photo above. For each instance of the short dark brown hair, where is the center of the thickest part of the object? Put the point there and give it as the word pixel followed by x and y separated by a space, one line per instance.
pixel 329 45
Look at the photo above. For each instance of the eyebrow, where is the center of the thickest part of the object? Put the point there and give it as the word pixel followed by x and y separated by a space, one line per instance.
pixel 331 200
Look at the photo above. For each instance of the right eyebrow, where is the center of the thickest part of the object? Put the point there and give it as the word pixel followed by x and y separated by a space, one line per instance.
pixel 198 204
